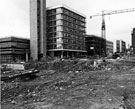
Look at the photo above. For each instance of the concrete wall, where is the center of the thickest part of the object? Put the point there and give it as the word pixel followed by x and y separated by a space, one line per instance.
pixel 43 28
pixel 109 46
pixel 33 29
pixel 37 28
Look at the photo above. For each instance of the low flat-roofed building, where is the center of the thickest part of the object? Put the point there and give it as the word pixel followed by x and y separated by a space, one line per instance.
pixel 14 49
pixel 95 45
pixel 120 46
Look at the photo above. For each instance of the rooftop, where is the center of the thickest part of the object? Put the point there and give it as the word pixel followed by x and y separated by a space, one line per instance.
pixel 14 37
pixel 93 36
pixel 64 6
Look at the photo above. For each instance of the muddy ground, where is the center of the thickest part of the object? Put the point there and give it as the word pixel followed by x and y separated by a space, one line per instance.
pixel 73 84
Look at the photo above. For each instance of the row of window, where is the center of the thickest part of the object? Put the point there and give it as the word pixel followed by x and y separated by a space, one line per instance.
pixel 65 35
pixel 51 12
pixel 73 41
pixel 111 46
pixel 65 40
pixel 52 29
pixel 73 47
pixel 76 21
pixel 65 23
pixel 65 29
pixel 65 11
pixel 65 17
pixel 15 46
pixel 71 25
pixel 53 17
pixel 12 49
pixel 7 57
pixel 52 23
pixel 74 31
pixel 65 46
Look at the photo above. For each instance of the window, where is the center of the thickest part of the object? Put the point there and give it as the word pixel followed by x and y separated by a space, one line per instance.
pixel 71 14
pixel 59 40
pixel 71 30
pixel 65 11
pixel 53 23
pixel 59 46
pixel 75 31
pixel 59 16
pixel 60 28
pixel 59 34
pixel 65 29
pixel 59 10
pixel 54 11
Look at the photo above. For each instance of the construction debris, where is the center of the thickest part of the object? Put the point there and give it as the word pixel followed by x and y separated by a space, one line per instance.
pixel 74 84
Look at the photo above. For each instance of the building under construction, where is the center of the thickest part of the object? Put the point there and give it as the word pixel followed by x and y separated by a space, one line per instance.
pixel 95 45
pixel 133 40
pixel 58 31
pixel 65 32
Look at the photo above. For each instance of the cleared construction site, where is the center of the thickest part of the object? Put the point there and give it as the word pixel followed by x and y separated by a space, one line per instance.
pixel 71 84
pixel 62 67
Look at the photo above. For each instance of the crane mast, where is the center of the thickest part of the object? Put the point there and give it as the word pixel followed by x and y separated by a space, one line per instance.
pixel 103 27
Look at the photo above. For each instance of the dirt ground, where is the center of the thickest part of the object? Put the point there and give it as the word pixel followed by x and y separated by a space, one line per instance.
pixel 74 84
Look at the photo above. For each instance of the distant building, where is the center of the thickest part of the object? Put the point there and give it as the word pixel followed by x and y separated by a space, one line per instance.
pixel 95 45
pixel 109 47
pixel 14 49
pixel 120 46
pixel 65 32
pixel 133 40
pixel 38 28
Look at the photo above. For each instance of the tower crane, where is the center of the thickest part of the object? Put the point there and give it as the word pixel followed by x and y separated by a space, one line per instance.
pixel 103 28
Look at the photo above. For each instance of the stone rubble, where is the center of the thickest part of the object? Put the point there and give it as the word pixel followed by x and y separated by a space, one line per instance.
pixel 74 84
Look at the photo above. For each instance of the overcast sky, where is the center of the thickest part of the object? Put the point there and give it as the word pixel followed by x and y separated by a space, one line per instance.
pixel 14 17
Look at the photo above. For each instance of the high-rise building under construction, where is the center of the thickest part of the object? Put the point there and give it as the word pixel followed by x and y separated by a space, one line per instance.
pixel 65 32
pixel 57 31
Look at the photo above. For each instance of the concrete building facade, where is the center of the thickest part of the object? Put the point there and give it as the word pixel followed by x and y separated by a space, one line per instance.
pixel 133 40
pixel 38 28
pixel 65 32
pixel 109 47
pixel 120 46
pixel 14 49
pixel 95 45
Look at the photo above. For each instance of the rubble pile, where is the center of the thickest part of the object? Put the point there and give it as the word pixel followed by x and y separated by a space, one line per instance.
pixel 73 84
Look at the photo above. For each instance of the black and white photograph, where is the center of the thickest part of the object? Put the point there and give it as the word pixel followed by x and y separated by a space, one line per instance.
pixel 67 54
